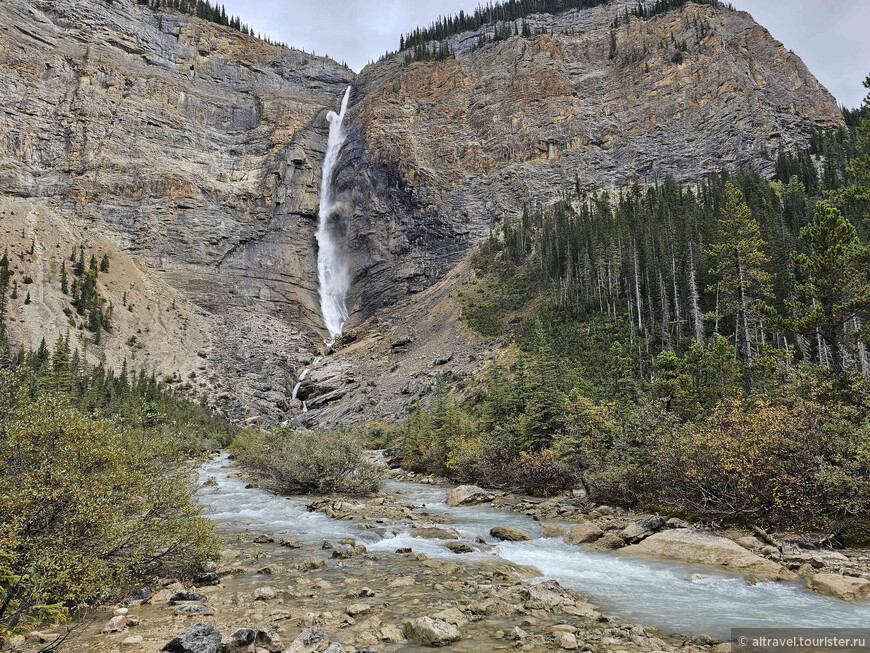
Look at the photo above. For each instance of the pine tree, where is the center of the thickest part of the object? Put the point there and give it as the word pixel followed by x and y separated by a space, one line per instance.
pixel 838 287
pixel 739 268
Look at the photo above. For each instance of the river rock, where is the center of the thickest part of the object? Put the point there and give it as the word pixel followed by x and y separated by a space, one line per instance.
pixel 269 640
pixel 639 530
pixel 194 609
pixel 291 542
pixel 264 593
pixel 241 639
pixel 199 638
pixel 435 533
pixel 609 542
pixel 567 641
pixel 206 578
pixel 185 595
pixel 676 522
pixel 313 563
pixel 692 545
pixel 468 495
pixel 426 631
pixel 141 594
pixel 510 534
pixel 846 588
pixel 310 640
pixel 550 529
pixel 458 547
pixel 582 533
pixel 115 624
pixel 264 539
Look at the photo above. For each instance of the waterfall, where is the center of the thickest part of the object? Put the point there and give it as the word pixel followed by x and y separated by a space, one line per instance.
pixel 296 389
pixel 332 267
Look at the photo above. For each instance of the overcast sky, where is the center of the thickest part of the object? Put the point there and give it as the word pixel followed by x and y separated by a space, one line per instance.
pixel 829 35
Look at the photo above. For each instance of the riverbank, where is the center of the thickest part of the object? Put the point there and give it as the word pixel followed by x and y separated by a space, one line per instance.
pixel 362 571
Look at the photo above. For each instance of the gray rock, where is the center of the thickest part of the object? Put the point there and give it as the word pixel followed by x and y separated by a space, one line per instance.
pixel 199 638
pixel 468 495
pixel 141 594
pixel 310 640
pixel 510 534
pixel 186 595
pixel 206 579
pixel 193 608
pixel 240 639
pixel 426 631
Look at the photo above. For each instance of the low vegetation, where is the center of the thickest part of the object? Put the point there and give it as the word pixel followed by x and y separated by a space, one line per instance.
pixel 307 462
pixel 95 494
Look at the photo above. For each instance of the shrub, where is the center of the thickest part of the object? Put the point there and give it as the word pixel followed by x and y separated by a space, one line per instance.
pixel 87 507
pixel 307 462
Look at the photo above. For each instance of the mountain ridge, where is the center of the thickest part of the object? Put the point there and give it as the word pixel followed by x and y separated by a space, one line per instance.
pixel 196 150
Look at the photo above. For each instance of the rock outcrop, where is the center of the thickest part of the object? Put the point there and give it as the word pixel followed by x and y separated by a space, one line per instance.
pixel 691 545
pixel 195 152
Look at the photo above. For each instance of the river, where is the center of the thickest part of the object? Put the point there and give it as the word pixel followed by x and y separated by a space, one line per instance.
pixel 676 597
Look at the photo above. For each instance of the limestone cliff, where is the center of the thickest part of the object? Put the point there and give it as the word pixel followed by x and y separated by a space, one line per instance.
pixel 194 154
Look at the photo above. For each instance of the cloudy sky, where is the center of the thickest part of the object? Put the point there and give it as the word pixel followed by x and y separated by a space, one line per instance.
pixel 829 35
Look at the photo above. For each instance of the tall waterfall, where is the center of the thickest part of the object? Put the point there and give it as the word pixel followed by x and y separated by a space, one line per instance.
pixel 332 266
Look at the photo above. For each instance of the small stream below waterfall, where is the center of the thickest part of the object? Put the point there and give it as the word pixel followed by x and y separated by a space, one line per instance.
pixel 679 598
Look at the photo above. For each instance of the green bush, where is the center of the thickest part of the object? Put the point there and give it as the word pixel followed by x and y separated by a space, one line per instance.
pixel 307 462
pixel 88 506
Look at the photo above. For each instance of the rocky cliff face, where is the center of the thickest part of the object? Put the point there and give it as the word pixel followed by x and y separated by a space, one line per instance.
pixel 196 150
pixel 196 153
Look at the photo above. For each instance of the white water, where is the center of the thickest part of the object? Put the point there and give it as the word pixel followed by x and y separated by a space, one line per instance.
pixel 679 598
pixel 332 269
pixel 296 389
pixel 304 374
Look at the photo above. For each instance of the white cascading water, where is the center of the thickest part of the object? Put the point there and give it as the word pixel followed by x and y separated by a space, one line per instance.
pixel 332 268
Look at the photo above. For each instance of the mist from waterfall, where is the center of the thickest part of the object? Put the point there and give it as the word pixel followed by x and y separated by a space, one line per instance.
pixel 332 268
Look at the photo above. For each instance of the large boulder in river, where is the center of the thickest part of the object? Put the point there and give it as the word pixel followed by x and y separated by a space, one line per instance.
pixel 702 547
pixel 510 534
pixel 846 588
pixel 582 533
pixel 435 533
pixel 639 530
pixel 426 631
pixel 199 638
pixel 468 495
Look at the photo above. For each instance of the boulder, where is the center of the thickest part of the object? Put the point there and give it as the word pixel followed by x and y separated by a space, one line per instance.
pixel 264 539
pixel 510 534
pixel 583 533
pixel 639 530
pixel 269 640
pixel 115 624
pixel 609 542
pixel 692 545
pixel 184 596
pixel 199 638
pixel 458 547
pixel 567 641
pixel 434 533
pixel 206 579
pixel 291 542
pixel 468 495
pixel 310 640
pixel 141 594
pixel 313 563
pixel 426 631
pixel 846 588
pixel 241 639
pixel 553 530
